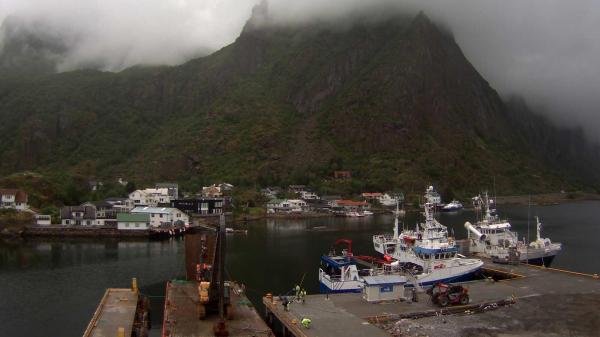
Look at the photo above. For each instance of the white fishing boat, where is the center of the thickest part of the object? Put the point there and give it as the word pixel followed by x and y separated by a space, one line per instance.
pixel 427 252
pixel 492 237
pixel 452 206
pixel 367 213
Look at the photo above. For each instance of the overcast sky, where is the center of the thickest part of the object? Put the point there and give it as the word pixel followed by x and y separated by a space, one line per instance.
pixel 546 50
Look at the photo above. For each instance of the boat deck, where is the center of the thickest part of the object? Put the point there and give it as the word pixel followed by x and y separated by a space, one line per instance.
pixel 350 315
pixel 181 314
pixel 116 310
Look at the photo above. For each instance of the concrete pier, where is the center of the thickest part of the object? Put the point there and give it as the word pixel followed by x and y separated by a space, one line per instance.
pixel 351 315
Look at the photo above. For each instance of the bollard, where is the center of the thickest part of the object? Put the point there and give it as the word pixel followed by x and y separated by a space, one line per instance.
pixel 121 332
pixel 134 285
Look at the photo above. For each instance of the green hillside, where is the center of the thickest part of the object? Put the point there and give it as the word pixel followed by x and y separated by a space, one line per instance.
pixel 392 100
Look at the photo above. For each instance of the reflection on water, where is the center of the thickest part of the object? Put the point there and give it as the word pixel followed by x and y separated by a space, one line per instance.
pixel 52 287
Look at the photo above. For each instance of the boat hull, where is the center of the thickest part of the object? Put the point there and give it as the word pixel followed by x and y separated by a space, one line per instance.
pixel 325 289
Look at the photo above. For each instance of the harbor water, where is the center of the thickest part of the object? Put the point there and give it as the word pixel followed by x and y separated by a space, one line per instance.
pixel 52 287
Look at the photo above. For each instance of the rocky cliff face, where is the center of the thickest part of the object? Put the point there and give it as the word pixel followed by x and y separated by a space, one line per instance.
pixel 394 100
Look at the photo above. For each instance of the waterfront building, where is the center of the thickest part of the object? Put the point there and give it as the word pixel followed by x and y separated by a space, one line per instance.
pixel 286 206
pixel 200 206
pixel 351 205
pixel 163 216
pixel 121 205
pixel 13 198
pixel 131 221
pixel 172 189
pixel 152 197
pixel 78 215
pixel 43 219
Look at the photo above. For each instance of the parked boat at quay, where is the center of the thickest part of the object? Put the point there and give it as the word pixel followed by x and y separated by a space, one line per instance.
pixel 427 252
pixel 492 237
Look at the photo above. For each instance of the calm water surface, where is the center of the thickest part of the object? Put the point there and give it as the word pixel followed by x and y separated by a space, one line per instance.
pixel 51 288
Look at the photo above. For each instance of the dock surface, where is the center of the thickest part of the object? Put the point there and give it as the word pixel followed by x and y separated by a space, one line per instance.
pixel 181 314
pixel 554 291
pixel 116 310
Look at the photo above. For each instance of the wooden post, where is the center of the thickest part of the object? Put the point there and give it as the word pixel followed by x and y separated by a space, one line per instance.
pixel 121 332
pixel 134 285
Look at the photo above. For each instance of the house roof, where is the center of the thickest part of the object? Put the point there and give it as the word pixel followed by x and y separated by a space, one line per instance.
pixel 351 203
pixel 99 204
pixel 20 196
pixel 115 199
pixel 372 194
pixel 89 212
pixel 158 210
pixel 130 217
pixel 166 185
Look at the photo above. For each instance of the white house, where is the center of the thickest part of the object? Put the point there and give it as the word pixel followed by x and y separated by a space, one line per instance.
pixel 130 221
pixel 121 205
pixel 308 195
pixel 212 191
pixel 173 189
pixel 150 197
pixel 163 216
pixel 286 206
pixel 13 198
pixel 43 220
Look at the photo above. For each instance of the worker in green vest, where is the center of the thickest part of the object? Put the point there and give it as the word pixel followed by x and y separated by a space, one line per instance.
pixel 305 322
pixel 303 296
pixel 297 292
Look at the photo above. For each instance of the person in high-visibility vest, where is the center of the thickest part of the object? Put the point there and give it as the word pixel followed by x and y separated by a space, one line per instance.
pixel 305 322
pixel 303 296
pixel 297 291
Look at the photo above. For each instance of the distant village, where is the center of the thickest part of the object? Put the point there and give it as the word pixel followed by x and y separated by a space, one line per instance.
pixel 161 207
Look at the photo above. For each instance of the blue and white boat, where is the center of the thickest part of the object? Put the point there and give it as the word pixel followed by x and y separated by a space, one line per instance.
pixel 427 252
pixel 340 273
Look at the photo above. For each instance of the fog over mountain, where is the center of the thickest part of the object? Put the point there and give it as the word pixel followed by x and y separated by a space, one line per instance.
pixel 544 50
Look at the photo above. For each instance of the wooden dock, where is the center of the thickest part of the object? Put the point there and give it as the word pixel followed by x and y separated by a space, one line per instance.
pixel 350 315
pixel 118 313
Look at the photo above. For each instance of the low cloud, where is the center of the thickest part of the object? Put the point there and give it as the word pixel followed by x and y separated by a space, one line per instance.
pixel 544 50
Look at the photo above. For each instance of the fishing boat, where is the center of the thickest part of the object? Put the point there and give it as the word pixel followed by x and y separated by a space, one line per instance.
pixel 339 272
pixel 452 206
pixel 492 237
pixel 427 253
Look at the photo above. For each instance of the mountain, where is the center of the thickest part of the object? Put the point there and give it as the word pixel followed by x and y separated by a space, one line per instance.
pixel 389 97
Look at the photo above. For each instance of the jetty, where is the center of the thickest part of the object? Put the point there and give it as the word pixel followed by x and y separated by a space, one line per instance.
pixel 121 312
pixel 566 302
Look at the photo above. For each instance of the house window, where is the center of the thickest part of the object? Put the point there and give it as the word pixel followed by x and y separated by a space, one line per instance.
pixel 127 224
pixel 68 222
pixel 161 215
pixel 137 224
